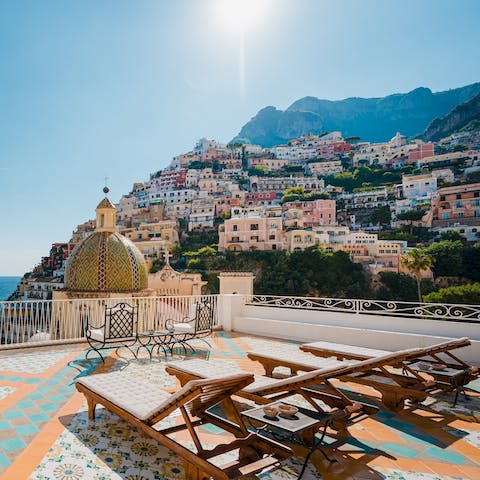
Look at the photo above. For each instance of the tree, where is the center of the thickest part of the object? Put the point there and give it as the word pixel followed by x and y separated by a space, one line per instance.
pixel 381 216
pixel 469 294
pixel 452 235
pixel 411 216
pixel 259 170
pixel 448 259
pixel 395 286
pixel 417 261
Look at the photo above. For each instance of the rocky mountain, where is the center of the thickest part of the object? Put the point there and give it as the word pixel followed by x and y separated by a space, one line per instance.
pixel 373 119
pixel 463 117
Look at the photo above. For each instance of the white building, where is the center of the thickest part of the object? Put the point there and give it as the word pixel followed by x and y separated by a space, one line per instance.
pixel 202 214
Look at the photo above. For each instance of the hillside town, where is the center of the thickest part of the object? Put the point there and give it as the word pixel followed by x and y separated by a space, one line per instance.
pixel 372 200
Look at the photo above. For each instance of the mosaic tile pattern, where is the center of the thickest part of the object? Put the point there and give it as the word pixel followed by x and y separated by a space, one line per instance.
pixel 5 391
pixel 432 441
pixel 111 449
pixel 31 363
pixel 393 474
pixel 106 262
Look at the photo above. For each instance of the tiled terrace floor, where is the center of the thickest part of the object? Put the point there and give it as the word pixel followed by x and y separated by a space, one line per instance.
pixel 45 434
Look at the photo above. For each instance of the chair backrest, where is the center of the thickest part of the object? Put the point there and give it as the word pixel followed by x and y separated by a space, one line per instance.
pixel 199 395
pixel 121 321
pixel 203 317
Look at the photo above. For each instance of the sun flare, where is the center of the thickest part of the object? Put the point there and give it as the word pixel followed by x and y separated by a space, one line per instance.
pixel 241 14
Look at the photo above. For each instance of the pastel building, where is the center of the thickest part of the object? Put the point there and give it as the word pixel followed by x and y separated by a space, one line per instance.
pixel 202 214
pixel 312 213
pixel 458 204
pixel 251 230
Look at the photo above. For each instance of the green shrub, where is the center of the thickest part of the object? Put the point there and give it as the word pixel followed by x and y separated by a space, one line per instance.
pixel 469 293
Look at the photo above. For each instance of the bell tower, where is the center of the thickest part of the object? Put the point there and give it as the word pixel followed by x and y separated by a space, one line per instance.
pixel 106 214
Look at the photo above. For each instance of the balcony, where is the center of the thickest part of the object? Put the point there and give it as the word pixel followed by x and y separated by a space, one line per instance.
pixel 44 431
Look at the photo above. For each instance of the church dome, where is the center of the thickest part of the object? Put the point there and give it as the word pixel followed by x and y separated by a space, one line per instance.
pixel 106 261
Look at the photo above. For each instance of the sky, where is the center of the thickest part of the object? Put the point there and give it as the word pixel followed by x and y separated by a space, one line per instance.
pixel 115 88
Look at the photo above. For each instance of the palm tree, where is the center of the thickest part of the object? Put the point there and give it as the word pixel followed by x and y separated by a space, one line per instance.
pixel 416 261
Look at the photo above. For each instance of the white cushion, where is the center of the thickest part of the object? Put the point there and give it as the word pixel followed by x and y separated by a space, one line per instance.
pixel 97 334
pixel 284 356
pixel 183 328
pixel 348 349
pixel 215 368
pixel 136 396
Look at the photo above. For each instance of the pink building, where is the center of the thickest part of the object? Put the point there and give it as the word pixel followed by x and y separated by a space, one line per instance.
pixel 226 205
pixel 263 198
pixel 316 212
pixel 422 151
pixel 250 233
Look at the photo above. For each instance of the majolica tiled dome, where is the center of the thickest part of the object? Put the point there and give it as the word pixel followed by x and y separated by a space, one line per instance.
pixel 106 261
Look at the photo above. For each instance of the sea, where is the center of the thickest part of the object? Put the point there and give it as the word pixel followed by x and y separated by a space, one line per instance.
pixel 7 286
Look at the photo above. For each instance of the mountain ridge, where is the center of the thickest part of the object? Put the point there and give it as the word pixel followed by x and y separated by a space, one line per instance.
pixel 373 119
pixel 464 116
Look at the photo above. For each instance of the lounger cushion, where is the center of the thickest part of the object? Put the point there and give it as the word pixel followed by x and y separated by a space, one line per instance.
pixel 218 368
pixel 347 349
pixel 296 356
pixel 214 368
pixel 133 395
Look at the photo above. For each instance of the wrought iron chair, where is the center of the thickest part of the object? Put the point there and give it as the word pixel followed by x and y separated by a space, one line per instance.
pixel 197 326
pixel 119 329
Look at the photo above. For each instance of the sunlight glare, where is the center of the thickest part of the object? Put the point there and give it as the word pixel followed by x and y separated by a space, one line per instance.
pixel 241 15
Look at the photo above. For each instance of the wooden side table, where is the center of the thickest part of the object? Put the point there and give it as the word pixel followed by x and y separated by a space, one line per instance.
pixel 299 428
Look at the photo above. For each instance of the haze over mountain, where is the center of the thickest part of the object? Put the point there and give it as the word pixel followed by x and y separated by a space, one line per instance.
pixel 463 117
pixel 373 119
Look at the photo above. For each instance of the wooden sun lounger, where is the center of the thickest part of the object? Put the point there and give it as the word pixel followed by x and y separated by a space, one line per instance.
pixel 396 386
pixel 144 404
pixel 312 386
pixel 440 353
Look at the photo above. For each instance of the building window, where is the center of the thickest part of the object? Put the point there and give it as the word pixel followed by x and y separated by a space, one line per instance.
pixel 235 228
pixel 254 226
pixel 442 198
pixel 458 196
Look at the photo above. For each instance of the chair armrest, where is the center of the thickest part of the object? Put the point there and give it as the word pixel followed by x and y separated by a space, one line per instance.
pixel 188 320
pixel 102 325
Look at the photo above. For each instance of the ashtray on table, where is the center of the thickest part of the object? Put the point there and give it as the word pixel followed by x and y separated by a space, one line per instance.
pixel 424 366
pixel 287 411
pixel 439 366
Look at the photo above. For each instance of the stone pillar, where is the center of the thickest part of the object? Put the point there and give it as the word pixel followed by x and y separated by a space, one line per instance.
pixel 240 283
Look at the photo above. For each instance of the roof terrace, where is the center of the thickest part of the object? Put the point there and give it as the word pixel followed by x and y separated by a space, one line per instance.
pixel 45 432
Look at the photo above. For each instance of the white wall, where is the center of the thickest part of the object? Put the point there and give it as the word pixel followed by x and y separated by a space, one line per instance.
pixel 374 331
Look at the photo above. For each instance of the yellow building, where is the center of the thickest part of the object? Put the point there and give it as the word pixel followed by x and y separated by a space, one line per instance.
pixel 153 238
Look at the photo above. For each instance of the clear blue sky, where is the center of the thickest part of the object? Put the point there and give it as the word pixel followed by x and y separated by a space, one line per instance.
pixel 93 88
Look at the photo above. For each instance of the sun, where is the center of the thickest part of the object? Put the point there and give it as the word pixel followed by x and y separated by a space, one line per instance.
pixel 240 15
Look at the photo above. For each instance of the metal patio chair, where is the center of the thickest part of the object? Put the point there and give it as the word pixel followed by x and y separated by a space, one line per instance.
pixel 119 329
pixel 197 326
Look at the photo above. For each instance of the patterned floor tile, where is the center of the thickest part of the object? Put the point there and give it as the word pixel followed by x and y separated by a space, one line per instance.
pixel 390 445
pixel 32 363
